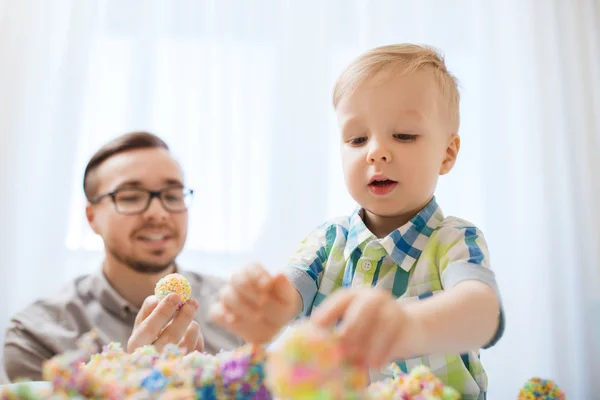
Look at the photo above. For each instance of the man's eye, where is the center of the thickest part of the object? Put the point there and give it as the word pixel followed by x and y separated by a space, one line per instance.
pixel 173 198
pixel 129 199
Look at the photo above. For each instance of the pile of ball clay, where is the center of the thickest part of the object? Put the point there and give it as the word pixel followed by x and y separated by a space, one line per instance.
pixel 147 374
pixel 111 373
pixel 541 389
pixel 309 364
pixel 420 384
pixel 306 364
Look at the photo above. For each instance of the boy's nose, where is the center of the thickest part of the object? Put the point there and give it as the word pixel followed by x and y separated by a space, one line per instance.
pixel 379 153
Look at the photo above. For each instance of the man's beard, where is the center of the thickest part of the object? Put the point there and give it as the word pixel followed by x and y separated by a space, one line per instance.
pixel 141 266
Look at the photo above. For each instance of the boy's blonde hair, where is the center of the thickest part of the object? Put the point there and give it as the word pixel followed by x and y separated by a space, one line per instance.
pixel 405 59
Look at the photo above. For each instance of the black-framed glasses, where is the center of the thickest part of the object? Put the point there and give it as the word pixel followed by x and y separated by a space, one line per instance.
pixel 130 201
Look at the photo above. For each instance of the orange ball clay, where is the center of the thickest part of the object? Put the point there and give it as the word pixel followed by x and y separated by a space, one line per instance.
pixel 173 283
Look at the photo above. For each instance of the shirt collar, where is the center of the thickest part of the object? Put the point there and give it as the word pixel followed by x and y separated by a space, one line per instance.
pixel 108 297
pixel 404 244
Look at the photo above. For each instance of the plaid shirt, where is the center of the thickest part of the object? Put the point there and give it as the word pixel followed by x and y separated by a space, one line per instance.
pixel 427 255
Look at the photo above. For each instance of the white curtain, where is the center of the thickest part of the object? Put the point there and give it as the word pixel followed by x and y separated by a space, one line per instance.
pixel 241 91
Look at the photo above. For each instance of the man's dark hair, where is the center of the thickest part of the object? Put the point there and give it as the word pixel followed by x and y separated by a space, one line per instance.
pixel 121 144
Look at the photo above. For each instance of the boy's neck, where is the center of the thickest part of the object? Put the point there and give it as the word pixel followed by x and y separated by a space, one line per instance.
pixel 381 226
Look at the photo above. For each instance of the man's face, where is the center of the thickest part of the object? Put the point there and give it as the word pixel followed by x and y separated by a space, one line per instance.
pixel 150 241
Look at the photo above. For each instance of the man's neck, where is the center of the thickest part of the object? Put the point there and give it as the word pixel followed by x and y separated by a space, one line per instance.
pixel 132 285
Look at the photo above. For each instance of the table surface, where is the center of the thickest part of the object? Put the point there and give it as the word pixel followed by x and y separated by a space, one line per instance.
pixel 33 385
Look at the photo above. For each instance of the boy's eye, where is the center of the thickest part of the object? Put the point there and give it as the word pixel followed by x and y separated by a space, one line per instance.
pixel 357 141
pixel 405 137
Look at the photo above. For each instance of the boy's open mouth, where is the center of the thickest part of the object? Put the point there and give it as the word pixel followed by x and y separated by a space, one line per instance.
pixel 382 185
pixel 384 182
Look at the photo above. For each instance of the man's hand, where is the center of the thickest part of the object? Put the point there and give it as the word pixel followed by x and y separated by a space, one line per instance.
pixel 256 306
pixel 156 325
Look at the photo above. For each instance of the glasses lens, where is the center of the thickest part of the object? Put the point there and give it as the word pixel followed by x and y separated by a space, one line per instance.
pixel 131 201
pixel 176 199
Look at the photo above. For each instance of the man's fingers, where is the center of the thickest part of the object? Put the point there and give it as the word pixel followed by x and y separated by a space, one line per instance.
pixel 149 328
pixel 177 327
pixel 200 342
pixel 190 337
pixel 148 306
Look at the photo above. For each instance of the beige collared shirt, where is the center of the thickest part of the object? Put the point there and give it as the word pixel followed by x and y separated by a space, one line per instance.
pixel 52 325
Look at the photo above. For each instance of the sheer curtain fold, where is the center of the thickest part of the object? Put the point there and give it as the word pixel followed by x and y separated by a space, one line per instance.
pixel 241 91
pixel 42 79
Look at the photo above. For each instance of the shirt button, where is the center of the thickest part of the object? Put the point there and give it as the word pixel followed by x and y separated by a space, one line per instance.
pixel 366 265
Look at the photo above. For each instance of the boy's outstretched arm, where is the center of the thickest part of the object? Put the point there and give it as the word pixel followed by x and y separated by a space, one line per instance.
pixel 461 319
pixel 375 329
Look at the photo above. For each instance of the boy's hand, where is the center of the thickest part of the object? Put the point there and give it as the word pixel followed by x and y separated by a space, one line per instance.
pixel 256 306
pixel 374 329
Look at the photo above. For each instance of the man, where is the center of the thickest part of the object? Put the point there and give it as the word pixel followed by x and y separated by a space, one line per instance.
pixel 138 205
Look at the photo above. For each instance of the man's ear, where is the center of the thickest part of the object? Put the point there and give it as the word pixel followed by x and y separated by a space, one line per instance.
pixel 90 214
pixel 452 150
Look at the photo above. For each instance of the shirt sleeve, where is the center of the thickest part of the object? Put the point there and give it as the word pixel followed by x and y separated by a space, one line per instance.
pixel 465 256
pixel 24 353
pixel 306 266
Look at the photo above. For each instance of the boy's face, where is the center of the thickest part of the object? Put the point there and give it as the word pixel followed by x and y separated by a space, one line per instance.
pixel 395 143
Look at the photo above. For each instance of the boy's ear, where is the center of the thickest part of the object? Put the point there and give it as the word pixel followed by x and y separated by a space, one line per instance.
pixel 451 153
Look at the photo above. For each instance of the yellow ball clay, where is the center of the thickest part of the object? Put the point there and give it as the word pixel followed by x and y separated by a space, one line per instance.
pixel 173 283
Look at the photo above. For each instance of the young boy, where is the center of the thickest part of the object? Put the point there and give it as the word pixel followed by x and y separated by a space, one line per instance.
pixel 405 283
